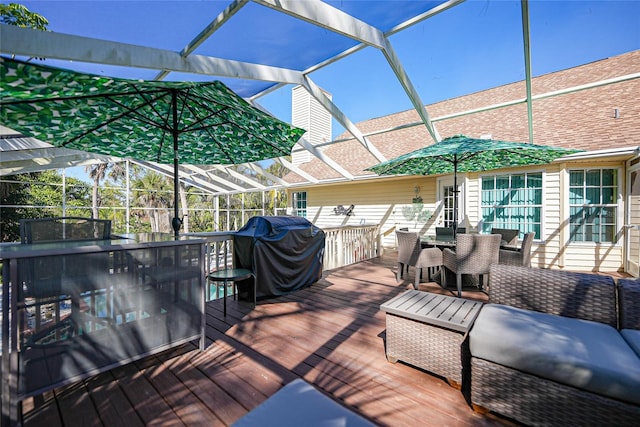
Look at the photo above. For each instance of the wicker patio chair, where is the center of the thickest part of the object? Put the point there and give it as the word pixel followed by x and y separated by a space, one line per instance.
pixel 509 235
pixel 629 290
pixel 533 400
pixel 446 233
pixel 411 253
pixel 520 257
pixel 408 250
pixel 474 254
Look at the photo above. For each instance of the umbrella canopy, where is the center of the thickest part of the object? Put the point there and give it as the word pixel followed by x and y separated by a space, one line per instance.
pixel 463 154
pixel 193 123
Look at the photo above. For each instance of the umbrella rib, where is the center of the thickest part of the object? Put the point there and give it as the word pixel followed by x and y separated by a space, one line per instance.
pixel 201 101
pixel 151 103
pixel 200 120
pixel 129 111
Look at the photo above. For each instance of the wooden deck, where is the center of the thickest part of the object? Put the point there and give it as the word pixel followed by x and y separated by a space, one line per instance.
pixel 331 334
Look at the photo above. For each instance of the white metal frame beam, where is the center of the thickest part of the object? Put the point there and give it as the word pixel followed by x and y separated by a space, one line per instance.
pixel 34 43
pixel 526 37
pixel 333 19
pixel 39 159
pixel 218 22
pixel 243 178
pixel 278 182
pixel 46 44
pixel 167 170
pixel 328 17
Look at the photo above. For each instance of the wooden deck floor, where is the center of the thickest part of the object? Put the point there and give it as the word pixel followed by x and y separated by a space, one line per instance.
pixel 331 334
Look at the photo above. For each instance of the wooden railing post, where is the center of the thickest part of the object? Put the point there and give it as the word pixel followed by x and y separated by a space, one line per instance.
pixel 350 244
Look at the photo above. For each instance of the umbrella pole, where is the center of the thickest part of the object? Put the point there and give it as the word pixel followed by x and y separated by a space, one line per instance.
pixel 455 197
pixel 176 222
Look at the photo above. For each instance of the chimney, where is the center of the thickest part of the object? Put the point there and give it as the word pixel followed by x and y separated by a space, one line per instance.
pixel 308 114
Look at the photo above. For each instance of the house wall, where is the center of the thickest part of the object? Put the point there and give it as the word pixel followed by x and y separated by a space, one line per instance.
pixel 380 201
pixel 375 202
pixel 633 236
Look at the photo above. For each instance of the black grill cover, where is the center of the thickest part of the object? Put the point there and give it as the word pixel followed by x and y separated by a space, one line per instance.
pixel 285 253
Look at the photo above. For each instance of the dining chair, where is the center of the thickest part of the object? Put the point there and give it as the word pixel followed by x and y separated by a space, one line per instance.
pixel 411 253
pixel 474 254
pixel 521 256
pixel 444 233
pixel 77 278
pixel 54 229
pixel 408 250
pixel 509 235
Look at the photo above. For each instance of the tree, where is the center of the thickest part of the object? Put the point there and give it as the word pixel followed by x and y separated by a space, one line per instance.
pixel 19 16
pixel 153 192
pixel 97 173
pixel 38 195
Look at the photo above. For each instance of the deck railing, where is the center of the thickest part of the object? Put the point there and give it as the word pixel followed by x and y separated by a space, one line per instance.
pixel 350 244
pixel 343 246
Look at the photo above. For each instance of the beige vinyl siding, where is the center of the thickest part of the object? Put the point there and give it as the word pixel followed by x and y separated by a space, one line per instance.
pixel 472 200
pixel 380 201
pixel 634 235
pixel 586 256
pixel 594 257
pixel 375 202
pixel 549 253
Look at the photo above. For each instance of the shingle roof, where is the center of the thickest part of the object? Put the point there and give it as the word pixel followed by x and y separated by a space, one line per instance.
pixel 583 119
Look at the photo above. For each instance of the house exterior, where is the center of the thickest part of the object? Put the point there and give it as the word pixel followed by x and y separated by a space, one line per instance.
pixel 585 208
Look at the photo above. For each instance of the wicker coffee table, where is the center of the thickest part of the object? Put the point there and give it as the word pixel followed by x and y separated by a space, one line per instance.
pixel 427 330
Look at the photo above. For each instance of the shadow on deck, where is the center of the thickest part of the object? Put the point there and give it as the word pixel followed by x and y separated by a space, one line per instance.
pixel 331 334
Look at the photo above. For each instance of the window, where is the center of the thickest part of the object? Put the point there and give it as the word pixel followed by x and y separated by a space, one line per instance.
pixel 512 201
pixel 300 204
pixel 593 205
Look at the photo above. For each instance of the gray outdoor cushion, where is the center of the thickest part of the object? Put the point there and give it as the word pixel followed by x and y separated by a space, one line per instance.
pixel 632 336
pixel 585 354
pixel 300 404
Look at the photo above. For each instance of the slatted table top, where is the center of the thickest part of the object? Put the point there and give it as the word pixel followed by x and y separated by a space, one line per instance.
pixel 445 311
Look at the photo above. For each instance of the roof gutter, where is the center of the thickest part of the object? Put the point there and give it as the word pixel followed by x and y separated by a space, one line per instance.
pixel 597 154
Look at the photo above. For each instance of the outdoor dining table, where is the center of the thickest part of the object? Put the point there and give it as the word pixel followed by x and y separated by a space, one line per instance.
pixel 427 241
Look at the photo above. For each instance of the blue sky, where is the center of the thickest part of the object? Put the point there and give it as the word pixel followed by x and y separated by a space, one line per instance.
pixel 474 46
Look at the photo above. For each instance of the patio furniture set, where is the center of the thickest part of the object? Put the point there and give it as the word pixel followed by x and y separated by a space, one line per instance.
pixel 462 255
pixel 549 348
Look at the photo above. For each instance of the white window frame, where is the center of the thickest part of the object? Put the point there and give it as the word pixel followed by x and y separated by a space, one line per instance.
pixel 619 204
pixel 296 210
pixel 543 174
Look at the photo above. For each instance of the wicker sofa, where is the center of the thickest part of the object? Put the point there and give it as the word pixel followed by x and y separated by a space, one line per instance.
pixel 556 348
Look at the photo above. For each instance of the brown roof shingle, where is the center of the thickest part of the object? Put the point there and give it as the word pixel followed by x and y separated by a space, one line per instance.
pixel 583 119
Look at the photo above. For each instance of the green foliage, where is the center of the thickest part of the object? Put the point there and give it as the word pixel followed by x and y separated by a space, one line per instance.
pixel 154 193
pixel 19 16
pixel 201 212
pixel 38 195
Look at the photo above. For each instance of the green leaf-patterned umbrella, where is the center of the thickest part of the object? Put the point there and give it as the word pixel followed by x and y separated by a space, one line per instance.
pixel 463 154
pixel 193 123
